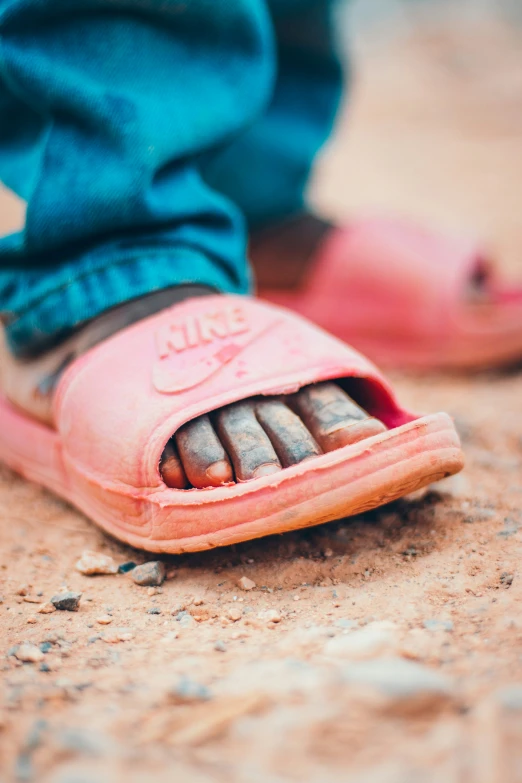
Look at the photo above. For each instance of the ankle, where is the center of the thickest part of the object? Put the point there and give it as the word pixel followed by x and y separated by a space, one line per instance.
pixel 29 382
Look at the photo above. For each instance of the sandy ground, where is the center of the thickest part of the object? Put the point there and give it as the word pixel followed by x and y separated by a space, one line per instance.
pixel 381 649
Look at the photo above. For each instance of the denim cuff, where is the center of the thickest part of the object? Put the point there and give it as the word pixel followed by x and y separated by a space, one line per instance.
pixel 52 314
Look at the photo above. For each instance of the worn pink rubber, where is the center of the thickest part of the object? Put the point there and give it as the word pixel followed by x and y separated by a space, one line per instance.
pixel 399 294
pixel 117 406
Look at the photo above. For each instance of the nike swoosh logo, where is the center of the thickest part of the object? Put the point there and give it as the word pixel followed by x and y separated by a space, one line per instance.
pixel 168 379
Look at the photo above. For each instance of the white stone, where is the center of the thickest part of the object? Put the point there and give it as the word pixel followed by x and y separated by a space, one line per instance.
pixel 398 679
pixel 91 563
pixel 269 616
pixel 29 653
pixel 368 642
pixel 246 584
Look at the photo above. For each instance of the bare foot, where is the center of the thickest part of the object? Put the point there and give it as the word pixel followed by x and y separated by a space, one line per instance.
pixel 263 435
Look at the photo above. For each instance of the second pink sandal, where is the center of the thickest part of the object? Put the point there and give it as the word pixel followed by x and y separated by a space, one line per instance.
pixel 409 298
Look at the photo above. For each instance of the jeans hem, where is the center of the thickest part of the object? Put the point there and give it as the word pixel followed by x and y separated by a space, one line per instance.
pixel 85 297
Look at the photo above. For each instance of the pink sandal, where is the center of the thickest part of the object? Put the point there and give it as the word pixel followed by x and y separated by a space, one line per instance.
pixel 117 406
pixel 409 298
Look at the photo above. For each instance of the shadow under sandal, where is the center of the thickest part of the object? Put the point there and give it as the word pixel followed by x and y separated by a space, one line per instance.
pixel 121 409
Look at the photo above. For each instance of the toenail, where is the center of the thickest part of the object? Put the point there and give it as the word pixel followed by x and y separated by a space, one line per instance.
pixel 220 472
pixel 362 424
pixel 265 470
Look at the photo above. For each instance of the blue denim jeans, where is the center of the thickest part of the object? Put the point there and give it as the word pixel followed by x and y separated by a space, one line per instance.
pixel 146 137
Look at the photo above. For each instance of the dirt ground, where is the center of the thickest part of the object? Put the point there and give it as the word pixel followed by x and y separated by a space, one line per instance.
pixel 381 649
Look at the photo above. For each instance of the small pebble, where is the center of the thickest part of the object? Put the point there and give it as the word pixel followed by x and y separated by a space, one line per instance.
pixel 68 602
pixel 234 613
pixel 346 623
pixel 118 635
pixel 269 616
pixel 187 621
pixel 510 697
pixel 506 579
pixel 246 584
pixel 104 619
pixel 149 574
pixel 45 647
pixel 220 646
pixel 28 653
pixel 124 568
pixel 455 486
pixel 44 667
pixel 22 590
pixel 187 691
pixel 438 625
pixel 480 515
pixel 169 637
pixel 93 639
pixel 154 610
pixel 368 642
pixel 31 620
pixel 510 528
pixel 91 563
pixel 239 635
pixel 417 495
pixel 47 608
pixel 402 681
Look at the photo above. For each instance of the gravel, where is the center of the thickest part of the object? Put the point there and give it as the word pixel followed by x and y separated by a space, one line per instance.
pixel 438 625
pixel 46 608
pixel 91 563
pixel 188 691
pixel 368 642
pixel 68 602
pixel 149 574
pixel 28 653
pixel 187 621
pixel 399 680
pixel 246 584
pixel 510 697
pixel 269 616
